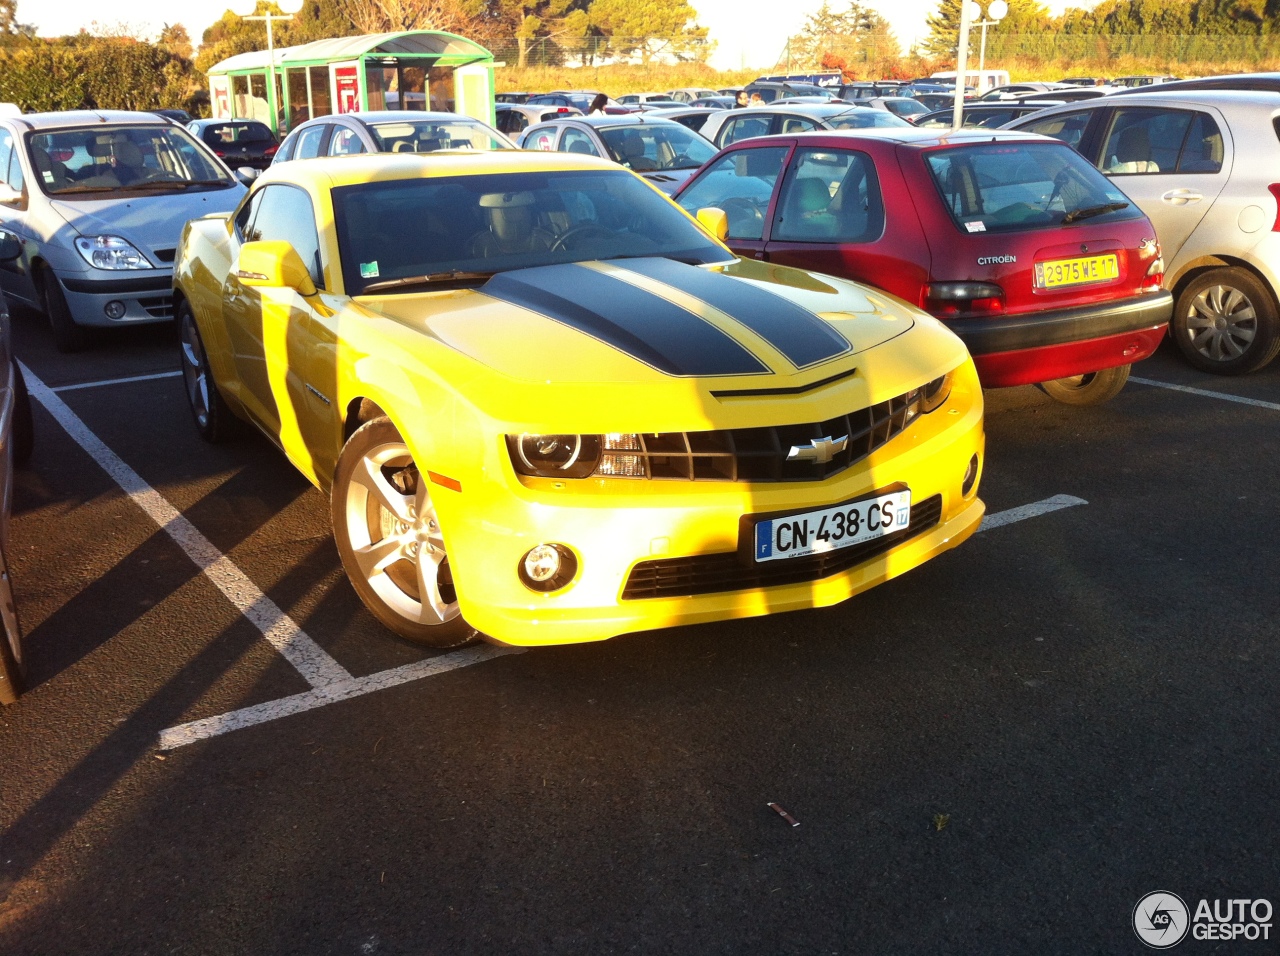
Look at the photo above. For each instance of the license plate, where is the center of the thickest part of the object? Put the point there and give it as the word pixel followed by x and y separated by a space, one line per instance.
pixel 829 529
pixel 1060 272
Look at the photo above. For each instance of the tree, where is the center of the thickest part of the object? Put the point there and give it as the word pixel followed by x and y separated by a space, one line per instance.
pixel 527 20
pixel 1024 16
pixel 842 39
pixel 651 28
pixel 394 16
pixel 175 41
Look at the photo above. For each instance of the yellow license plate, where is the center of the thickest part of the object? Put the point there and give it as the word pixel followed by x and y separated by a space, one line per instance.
pixel 1060 272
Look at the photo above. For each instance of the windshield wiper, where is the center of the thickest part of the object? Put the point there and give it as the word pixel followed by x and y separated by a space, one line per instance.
pixel 1090 211
pixel 454 275
pixel 84 189
pixel 177 183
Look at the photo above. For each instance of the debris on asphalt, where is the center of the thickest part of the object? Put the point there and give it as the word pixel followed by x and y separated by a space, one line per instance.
pixel 940 820
pixel 783 813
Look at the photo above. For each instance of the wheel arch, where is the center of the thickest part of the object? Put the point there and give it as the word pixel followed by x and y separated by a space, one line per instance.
pixel 1202 264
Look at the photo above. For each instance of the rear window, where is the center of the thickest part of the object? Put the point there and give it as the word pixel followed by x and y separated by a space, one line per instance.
pixel 1004 187
pixel 225 134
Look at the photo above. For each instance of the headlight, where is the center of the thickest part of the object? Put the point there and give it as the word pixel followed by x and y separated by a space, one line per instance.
pixel 615 455
pixel 111 252
pixel 934 394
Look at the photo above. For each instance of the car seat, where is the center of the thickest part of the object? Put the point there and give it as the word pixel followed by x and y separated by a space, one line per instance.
pixel 1203 155
pixel 632 153
pixel 807 213
pixel 53 173
pixel 1133 152
pixel 584 146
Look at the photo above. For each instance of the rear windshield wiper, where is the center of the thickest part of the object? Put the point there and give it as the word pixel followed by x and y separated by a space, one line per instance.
pixel 453 275
pixel 1090 211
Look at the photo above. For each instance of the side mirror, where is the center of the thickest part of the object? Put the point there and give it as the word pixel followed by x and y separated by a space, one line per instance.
pixel 10 247
pixel 274 264
pixel 246 175
pixel 715 222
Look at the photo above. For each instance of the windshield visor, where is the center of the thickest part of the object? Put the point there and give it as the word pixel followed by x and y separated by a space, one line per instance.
pixel 400 229
pixel 1003 187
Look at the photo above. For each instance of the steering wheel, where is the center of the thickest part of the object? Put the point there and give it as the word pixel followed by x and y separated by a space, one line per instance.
pixel 741 210
pixel 574 233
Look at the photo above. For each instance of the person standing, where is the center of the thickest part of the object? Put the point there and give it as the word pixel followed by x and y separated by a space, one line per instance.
pixel 598 105
pixel 743 100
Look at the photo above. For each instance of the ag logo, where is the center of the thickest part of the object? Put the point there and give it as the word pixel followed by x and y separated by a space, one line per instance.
pixel 1161 919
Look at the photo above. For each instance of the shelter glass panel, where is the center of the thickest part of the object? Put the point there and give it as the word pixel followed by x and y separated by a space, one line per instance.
pixel 321 102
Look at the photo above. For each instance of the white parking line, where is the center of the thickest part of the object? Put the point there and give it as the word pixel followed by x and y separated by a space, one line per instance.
pixel 311 660
pixel 185 734
pixel 113 381
pixel 1256 403
pixel 1033 510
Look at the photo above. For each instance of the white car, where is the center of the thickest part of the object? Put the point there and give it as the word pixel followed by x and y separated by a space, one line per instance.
pixel 1202 165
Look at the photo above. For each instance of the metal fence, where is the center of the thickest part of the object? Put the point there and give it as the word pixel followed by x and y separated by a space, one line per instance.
pixel 599 50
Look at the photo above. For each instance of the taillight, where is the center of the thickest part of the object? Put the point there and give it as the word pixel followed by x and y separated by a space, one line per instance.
pixel 1155 275
pixel 221 154
pixel 269 151
pixel 1274 189
pixel 957 298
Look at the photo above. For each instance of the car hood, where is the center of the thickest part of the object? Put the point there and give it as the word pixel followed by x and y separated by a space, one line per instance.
pixel 669 180
pixel 149 222
pixel 746 325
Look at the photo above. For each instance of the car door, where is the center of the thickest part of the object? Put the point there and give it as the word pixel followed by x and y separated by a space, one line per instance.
pixel 747 124
pixel 1172 162
pixel 742 182
pixel 15 275
pixel 833 215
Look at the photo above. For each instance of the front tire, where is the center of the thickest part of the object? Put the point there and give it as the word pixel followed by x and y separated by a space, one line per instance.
pixel 1226 322
pixel 67 336
pixel 1092 388
pixel 213 417
pixel 12 669
pixel 24 429
pixel 390 541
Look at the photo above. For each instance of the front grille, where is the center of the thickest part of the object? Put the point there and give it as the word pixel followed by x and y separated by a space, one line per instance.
pixel 760 454
pixel 164 255
pixel 713 573
pixel 158 306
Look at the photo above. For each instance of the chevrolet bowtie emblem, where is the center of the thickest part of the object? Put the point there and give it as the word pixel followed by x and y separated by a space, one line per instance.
pixel 820 450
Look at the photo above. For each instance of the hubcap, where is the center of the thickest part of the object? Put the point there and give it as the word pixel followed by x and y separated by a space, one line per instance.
pixel 1221 323
pixel 394 533
pixel 193 370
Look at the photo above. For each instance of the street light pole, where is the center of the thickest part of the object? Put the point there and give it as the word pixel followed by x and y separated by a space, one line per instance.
pixel 962 56
pixel 290 7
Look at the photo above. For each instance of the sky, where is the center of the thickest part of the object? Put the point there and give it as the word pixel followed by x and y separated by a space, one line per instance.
pixel 749 33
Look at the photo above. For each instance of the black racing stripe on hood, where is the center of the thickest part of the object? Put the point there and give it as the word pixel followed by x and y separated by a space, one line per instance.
pixel 794 331
pixel 645 326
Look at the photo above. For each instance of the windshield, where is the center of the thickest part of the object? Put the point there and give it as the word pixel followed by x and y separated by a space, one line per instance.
pixel 1001 187
pixel 645 148
pixel 864 119
pixel 98 161
pixel 479 225
pixel 426 136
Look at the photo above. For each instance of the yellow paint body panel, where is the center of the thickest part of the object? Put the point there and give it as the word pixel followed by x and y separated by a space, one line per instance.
pixel 458 370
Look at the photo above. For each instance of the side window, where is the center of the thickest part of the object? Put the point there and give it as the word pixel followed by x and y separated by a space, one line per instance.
pixel 1144 141
pixel 309 141
pixel 345 142
pixel 1201 153
pixel 285 213
pixel 285 152
pixel 793 124
pixel 830 195
pixel 740 184
pixel 244 218
pixel 543 137
pixel 6 153
pixel 576 141
pixel 745 127
pixel 1068 127
pixel 16 179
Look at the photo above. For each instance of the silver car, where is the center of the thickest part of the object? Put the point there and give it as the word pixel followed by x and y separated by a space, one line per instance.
pixel 98 201
pixel 730 126
pixel 387 131
pixel 1203 166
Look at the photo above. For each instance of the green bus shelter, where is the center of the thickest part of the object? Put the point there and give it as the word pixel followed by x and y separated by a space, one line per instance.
pixel 418 70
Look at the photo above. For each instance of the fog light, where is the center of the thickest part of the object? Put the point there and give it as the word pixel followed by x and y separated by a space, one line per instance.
pixel 548 567
pixel 970 477
pixel 114 309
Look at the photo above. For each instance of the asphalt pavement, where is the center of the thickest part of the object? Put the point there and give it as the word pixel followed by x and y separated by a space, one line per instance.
pixel 1002 751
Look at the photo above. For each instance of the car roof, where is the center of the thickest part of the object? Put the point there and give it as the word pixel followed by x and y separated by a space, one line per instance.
pixel 1224 99
pixel 333 171
pixel 610 120
pixel 912 136
pixel 1232 81
pixel 73 118
pixel 813 110
pixel 202 123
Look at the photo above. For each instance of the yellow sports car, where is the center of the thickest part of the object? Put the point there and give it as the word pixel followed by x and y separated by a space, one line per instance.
pixel 550 406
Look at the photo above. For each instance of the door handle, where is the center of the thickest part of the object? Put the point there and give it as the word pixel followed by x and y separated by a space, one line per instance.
pixel 1181 197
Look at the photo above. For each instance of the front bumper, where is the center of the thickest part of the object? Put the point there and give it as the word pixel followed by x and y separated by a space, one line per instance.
pixel 613 525
pixel 147 297
pixel 1040 346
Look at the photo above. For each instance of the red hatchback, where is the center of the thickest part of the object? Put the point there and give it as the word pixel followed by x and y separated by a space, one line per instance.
pixel 1035 259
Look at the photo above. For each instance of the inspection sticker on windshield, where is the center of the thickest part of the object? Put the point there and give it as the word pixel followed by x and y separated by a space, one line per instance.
pixel 976 226
pixel 816 532
pixel 369 270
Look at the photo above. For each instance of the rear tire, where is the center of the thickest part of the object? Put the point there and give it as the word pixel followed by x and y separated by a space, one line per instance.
pixel 1092 388
pixel 67 336
pixel 213 417
pixel 390 541
pixel 1226 322
pixel 24 430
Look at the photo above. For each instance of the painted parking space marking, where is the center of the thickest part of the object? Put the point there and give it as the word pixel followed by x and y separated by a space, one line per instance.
pixel 1205 393
pixel 189 733
pixel 281 631
pixel 114 381
pixel 1033 510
